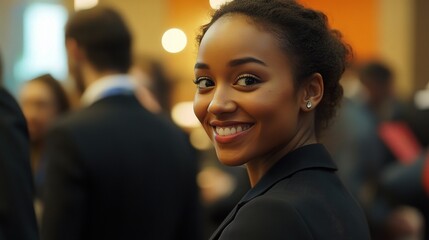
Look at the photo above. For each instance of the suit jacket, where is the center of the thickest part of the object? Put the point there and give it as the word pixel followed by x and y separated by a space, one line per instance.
pixel 299 198
pixel 17 219
pixel 116 171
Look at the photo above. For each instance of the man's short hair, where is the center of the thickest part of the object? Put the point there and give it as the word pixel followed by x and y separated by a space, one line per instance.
pixel 103 35
pixel 375 72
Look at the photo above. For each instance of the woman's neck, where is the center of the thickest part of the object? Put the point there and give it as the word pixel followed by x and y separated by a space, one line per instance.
pixel 257 168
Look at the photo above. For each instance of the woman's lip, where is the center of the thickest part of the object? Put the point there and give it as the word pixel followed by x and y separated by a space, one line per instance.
pixel 216 123
pixel 230 138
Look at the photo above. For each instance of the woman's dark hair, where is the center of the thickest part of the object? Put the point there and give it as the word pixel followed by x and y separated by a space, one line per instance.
pixel 305 36
pixel 60 96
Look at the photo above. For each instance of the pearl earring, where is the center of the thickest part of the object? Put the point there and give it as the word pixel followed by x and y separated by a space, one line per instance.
pixel 309 105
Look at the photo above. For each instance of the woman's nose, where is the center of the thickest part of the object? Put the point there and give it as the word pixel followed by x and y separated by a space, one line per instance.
pixel 221 103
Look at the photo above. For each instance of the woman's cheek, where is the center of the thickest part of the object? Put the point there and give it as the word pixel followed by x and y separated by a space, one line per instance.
pixel 200 106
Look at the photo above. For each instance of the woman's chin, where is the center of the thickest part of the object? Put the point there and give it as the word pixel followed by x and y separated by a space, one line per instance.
pixel 231 160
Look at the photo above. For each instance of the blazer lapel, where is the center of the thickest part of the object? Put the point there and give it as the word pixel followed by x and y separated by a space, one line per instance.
pixel 310 156
pixel 225 223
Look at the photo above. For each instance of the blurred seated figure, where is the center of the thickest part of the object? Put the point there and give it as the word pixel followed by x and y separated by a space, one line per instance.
pixel 43 100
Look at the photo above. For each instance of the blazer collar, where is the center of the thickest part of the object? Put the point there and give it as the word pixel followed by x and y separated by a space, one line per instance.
pixel 309 156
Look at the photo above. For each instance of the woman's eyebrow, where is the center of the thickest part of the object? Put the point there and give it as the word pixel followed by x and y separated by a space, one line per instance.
pixel 241 61
pixel 201 66
pixel 233 63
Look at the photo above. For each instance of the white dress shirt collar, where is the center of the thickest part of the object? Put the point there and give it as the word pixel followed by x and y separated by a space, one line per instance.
pixel 96 90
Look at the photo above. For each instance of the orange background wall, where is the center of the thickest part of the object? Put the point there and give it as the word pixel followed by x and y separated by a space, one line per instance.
pixel 357 21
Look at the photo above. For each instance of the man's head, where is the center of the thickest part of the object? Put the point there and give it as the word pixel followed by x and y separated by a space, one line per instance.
pixel 378 80
pixel 43 100
pixel 100 38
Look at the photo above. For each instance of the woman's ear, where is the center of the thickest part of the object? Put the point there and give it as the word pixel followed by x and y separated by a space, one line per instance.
pixel 312 92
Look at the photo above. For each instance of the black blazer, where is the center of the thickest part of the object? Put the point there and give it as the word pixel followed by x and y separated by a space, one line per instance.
pixel 116 171
pixel 299 198
pixel 17 219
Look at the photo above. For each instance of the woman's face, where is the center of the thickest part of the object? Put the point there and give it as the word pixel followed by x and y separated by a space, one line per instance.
pixel 246 100
pixel 39 108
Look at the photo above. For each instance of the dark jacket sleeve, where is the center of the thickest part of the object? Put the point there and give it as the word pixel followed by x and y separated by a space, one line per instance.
pixel 17 219
pixel 65 194
pixel 267 218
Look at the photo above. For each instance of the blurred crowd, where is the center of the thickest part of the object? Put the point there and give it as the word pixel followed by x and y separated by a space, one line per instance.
pixel 85 181
pixel 380 142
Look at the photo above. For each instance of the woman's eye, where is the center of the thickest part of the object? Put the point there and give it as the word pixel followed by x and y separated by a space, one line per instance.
pixel 204 82
pixel 247 80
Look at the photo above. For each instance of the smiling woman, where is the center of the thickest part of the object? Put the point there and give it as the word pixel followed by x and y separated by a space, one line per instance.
pixel 267 75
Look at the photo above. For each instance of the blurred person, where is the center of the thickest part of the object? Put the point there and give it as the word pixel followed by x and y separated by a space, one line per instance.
pixel 17 218
pixel 358 154
pixel 380 103
pixel 397 145
pixel 378 82
pixel 263 103
pixel 115 170
pixel 43 100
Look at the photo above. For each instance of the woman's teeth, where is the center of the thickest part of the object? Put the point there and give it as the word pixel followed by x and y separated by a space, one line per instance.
pixel 226 131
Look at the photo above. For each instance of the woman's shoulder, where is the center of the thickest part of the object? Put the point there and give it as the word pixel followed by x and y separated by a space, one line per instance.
pixel 277 216
pixel 314 193
pixel 267 217
pixel 312 203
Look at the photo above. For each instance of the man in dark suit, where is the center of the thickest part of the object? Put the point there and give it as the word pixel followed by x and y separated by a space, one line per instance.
pixel 115 170
pixel 17 219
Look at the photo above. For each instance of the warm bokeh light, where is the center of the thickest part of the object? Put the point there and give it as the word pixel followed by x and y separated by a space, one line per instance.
pixel 174 40
pixel 199 139
pixel 183 115
pixel 215 4
pixel 215 184
pixel 84 4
